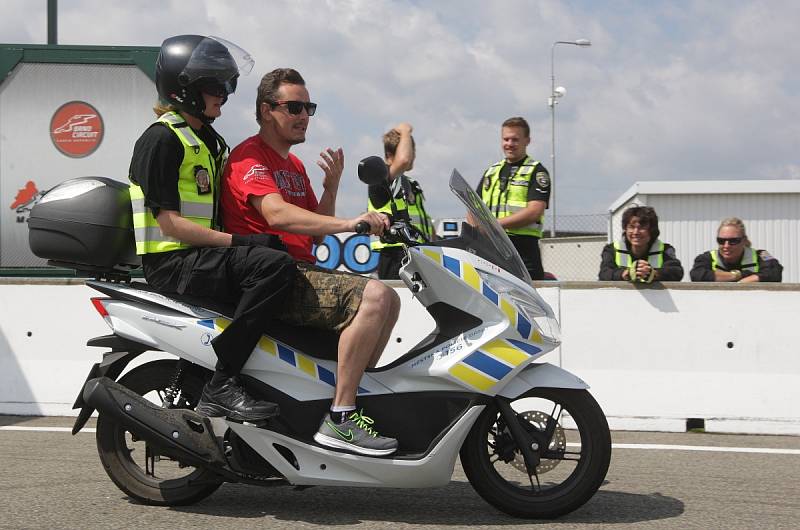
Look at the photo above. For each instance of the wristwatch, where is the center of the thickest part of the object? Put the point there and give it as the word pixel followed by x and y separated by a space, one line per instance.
pixel 737 275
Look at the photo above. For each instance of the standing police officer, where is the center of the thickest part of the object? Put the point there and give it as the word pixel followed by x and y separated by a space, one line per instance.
pixel 517 190
pixel 406 195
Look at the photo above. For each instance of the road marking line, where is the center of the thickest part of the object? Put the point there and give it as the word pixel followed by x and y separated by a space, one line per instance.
pixel 43 429
pixel 658 447
pixel 709 448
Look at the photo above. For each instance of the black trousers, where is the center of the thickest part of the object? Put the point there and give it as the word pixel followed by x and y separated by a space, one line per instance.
pixel 390 259
pixel 256 280
pixel 528 248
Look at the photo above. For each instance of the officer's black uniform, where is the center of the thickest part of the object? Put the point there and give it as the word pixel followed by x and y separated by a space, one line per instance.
pixel 527 246
pixel 254 279
pixel 769 269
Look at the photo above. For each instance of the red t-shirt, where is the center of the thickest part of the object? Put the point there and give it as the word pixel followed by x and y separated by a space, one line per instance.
pixel 254 169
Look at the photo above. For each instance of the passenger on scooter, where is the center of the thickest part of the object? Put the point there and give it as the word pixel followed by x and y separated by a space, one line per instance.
pixel 175 171
pixel 266 190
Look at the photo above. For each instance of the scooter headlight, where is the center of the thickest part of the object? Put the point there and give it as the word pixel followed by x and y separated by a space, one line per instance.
pixel 528 302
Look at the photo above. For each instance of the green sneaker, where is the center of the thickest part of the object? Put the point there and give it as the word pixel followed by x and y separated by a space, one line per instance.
pixel 354 434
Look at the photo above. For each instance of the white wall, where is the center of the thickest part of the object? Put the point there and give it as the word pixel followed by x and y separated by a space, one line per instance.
pixel 653 356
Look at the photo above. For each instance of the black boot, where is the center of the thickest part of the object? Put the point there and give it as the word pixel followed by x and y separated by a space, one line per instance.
pixel 228 398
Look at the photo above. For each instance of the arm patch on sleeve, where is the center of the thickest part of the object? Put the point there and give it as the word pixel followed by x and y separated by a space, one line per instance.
pixel 543 179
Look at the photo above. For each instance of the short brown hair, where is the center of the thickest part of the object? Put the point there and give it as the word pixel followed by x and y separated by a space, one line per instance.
pixel 518 121
pixel 390 142
pixel 647 219
pixel 271 82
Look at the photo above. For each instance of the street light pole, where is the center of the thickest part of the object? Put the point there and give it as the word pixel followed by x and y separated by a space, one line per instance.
pixel 552 101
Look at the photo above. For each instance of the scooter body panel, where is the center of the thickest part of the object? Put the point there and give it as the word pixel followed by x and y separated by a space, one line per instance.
pixel 318 466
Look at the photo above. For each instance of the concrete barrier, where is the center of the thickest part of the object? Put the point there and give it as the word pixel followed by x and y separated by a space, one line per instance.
pixel 655 356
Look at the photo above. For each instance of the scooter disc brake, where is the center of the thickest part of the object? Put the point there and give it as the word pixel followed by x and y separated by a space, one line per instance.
pixel 558 443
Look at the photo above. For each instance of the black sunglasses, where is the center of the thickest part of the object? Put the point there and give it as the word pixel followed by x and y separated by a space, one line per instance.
pixel 296 107
pixel 730 240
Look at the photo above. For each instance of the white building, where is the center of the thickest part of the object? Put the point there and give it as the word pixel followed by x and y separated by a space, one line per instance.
pixel 689 213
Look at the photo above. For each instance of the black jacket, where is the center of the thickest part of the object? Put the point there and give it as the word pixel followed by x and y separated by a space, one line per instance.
pixel 670 271
pixel 769 269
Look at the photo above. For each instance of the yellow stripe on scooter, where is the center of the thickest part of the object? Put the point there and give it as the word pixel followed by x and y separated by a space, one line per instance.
pixel 268 345
pixel 471 377
pixel 470 276
pixel 435 256
pixel 505 351
pixel 306 365
pixel 221 323
pixel 509 310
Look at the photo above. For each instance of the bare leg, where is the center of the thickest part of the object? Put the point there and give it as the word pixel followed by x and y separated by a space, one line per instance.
pixel 359 340
pixel 386 331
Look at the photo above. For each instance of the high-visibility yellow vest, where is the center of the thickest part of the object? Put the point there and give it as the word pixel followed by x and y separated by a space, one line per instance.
pixel 749 261
pixel 401 190
pixel 512 199
pixel 196 207
pixel 655 256
pixel 623 258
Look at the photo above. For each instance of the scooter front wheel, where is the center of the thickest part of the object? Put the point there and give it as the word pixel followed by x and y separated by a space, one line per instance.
pixel 573 462
pixel 136 467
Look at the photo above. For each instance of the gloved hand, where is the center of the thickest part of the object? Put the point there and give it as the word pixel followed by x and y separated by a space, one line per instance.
pixel 258 240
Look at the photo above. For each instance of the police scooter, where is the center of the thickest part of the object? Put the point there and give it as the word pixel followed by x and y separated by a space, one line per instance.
pixel 532 440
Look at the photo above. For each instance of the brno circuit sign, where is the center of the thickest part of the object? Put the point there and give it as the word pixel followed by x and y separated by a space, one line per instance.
pixel 76 129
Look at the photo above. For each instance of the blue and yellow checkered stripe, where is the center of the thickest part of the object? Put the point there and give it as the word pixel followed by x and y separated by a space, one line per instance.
pixel 483 368
pixel 300 361
pixel 470 276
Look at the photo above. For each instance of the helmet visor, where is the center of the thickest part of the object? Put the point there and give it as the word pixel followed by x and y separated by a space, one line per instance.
pixel 218 60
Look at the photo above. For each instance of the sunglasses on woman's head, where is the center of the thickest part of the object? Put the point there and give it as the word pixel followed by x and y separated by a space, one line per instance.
pixel 730 240
pixel 296 107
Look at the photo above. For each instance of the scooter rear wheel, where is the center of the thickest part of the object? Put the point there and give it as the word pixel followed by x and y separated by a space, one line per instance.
pixel 137 469
pixel 572 466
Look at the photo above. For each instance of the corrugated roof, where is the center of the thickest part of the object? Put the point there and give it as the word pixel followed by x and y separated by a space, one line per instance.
pixel 705 187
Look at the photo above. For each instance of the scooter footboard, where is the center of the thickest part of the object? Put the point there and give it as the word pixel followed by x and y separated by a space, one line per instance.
pixel 544 375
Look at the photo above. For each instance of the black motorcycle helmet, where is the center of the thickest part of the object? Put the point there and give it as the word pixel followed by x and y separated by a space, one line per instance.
pixel 188 65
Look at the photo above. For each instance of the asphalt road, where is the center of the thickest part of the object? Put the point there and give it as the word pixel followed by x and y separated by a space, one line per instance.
pixel 54 480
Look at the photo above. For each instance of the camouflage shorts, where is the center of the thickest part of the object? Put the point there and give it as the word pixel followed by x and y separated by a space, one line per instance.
pixel 322 298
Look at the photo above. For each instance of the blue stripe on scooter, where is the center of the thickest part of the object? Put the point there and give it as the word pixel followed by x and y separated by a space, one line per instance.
pixel 326 375
pixel 490 294
pixel 207 323
pixel 530 349
pixel 487 365
pixel 523 326
pixel 451 264
pixel 363 390
pixel 287 355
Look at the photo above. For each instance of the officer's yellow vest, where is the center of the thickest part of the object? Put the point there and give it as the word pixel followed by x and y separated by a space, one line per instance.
pixel 194 206
pixel 514 198
pixel 416 211
pixel 749 255
pixel 623 258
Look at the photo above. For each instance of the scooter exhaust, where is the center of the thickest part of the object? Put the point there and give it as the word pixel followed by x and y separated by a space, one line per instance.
pixel 179 433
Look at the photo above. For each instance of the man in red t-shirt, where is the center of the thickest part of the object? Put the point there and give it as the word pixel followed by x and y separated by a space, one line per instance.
pixel 266 189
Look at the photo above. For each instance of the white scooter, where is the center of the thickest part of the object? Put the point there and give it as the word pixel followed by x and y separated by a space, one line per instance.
pixel 532 440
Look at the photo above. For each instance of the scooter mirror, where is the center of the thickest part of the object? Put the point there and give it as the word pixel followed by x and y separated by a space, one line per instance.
pixel 372 170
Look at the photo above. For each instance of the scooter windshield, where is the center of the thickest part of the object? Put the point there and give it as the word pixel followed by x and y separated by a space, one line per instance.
pixel 486 237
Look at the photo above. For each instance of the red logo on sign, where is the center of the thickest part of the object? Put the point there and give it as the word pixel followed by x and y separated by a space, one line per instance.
pixel 76 129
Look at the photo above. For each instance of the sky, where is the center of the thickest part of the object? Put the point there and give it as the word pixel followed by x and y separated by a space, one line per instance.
pixel 680 90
